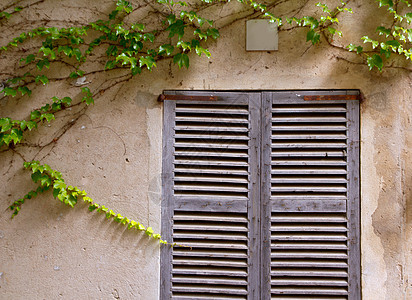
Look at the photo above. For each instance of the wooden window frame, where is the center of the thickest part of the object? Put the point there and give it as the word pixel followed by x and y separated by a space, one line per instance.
pixel 259 288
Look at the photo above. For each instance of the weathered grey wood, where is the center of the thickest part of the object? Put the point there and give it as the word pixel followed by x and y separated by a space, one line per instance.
pixel 204 236
pixel 210 162
pixel 308 109
pixel 216 146
pixel 210 204
pixel 312 282
pixel 323 227
pixel 307 237
pixel 325 119
pixel 294 171
pixel 211 280
pixel 211 179
pixel 308 180
pixel 318 246
pixel 167 201
pixel 212 119
pixel 309 264
pixel 293 205
pixel 219 171
pixel 231 254
pixel 254 196
pixel 214 128
pixel 308 291
pixel 217 272
pixel 303 145
pixel 265 180
pixel 209 136
pixel 213 110
pixel 209 227
pixel 201 289
pixel 213 218
pixel 311 273
pixel 328 127
pixel 353 201
pixel 300 136
pixel 203 176
pixel 305 255
pixel 312 153
pixel 209 262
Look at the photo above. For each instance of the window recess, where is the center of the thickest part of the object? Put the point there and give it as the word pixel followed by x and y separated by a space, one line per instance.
pixel 261 192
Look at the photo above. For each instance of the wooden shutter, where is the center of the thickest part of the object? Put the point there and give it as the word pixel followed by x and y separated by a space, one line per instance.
pixel 211 197
pixel 310 229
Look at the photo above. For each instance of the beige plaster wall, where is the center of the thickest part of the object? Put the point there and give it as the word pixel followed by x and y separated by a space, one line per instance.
pixel 113 150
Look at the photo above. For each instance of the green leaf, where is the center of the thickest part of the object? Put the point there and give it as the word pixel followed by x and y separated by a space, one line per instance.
pixel 147 61
pixel 313 36
pixel 42 78
pixel 383 31
pixel 181 59
pixel 353 47
pixel 166 49
pixel 5 124
pixel 177 27
pixel 375 61
pixel 43 63
pixel 9 92
pixel 66 101
pixel 49 117
pixel 149 231
pixel 35 114
pixel 31 125
pixel 24 90
pixel 149 36
pixel 30 58
pixel 213 32
pixel 18 8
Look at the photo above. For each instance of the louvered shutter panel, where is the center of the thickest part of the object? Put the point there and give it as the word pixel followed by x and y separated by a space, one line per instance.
pixel 310 188
pixel 211 197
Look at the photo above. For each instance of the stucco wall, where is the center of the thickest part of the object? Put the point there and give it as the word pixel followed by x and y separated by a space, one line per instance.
pixel 113 151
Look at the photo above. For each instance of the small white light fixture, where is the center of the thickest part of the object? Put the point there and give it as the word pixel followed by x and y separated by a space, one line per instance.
pixel 261 35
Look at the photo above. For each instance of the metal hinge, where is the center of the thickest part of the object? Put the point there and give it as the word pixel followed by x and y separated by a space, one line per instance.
pixel 163 97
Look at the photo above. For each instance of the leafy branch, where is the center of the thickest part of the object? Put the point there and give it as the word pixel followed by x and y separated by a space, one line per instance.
pixel 49 179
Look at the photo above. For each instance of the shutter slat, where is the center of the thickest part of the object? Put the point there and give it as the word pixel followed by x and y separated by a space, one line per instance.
pixel 308 264
pixel 211 120
pixel 211 272
pixel 310 154
pixel 211 153
pixel 313 282
pixel 309 120
pixel 209 280
pixel 318 246
pixel 203 136
pixel 325 180
pixel 211 162
pixel 300 136
pixel 309 273
pixel 310 291
pixel 307 163
pixel 299 255
pixel 220 236
pixel 201 289
pixel 199 145
pixel 209 262
pixel 218 171
pixel 328 127
pixel 320 171
pixel 308 145
pixel 232 128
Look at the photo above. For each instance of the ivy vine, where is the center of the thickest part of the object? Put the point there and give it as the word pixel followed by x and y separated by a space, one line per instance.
pixel 132 47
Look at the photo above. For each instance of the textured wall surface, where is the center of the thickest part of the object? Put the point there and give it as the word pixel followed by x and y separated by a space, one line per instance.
pixel 113 150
